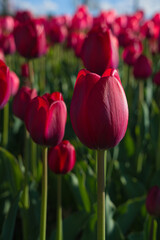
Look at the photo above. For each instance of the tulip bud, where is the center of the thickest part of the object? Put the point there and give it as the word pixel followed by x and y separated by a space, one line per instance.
pixel 62 158
pixel 156 78
pixel 100 50
pixel 7 43
pixel 142 67
pixel 14 83
pixel 25 70
pixel 99 109
pixel 46 118
pixel 30 39
pixel 132 52
pixel 22 100
pixel 5 84
pixel 153 201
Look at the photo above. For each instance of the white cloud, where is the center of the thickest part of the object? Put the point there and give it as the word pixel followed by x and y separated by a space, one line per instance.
pixel 37 7
pixel 128 6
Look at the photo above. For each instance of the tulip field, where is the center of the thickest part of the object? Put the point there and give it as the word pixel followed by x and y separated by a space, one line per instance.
pixel 80 126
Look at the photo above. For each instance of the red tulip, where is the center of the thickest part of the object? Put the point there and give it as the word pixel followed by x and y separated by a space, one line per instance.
pixel 150 30
pixel 75 41
pixel 46 119
pixel 22 100
pixel 56 30
pixel 106 18
pixel 5 84
pixel 100 50
pixel 99 109
pixel 2 57
pixel 25 70
pixel 156 78
pixel 153 201
pixel 82 19
pixel 30 39
pixel 14 83
pixel 7 24
pixel 62 158
pixel 132 52
pixel 142 67
pixel 23 16
pixel 7 43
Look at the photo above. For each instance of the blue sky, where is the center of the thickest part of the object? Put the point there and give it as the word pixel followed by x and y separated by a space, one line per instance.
pixel 40 7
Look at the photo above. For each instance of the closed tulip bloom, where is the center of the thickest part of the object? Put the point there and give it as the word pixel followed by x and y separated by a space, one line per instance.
pixel 46 118
pixel 62 158
pixel 153 201
pixel 156 78
pixel 14 83
pixel 23 16
pixel 142 67
pixel 132 52
pixel 7 43
pixel 25 70
pixel 100 50
pixel 22 100
pixel 30 39
pixel 99 109
pixel 5 84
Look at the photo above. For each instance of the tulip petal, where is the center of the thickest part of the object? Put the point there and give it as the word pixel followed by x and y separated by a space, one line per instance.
pixel 78 105
pixel 107 113
pixel 55 124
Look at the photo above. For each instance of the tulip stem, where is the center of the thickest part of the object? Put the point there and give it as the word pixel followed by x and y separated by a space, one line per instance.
pixel 101 196
pixel 26 164
pixel 153 229
pixel 31 73
pixel 44 195
pixel 34 158
pixel 5 125
pixel 158 148
pixel 59 235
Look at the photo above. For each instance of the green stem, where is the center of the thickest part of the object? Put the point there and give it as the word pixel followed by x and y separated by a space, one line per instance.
pixel 24 214
pixel 158 148
pixel 42 83
pixel 153 229
pixel 101 196
pixel 26 164
pixel 59 235
pixel 44 196
pixel 5 125
pixel 33 158
pixel 141 91
pixel 31 73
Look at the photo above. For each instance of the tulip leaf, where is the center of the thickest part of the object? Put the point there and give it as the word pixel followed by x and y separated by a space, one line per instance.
pixel 10 171
pixel 73 183
pixel 90 229
pixel 129 212
pixel 9 223
pixel 113 230
pixel 136 236
pixel 73 225
pixel 82 188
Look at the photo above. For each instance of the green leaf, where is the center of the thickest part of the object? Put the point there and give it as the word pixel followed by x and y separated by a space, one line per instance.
pixel 113 230
pixel 83 191
pixel 128 212
pixel 8 226
pixel 73 225
pixel 90 229
pixel 10 171
pixel 135 236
